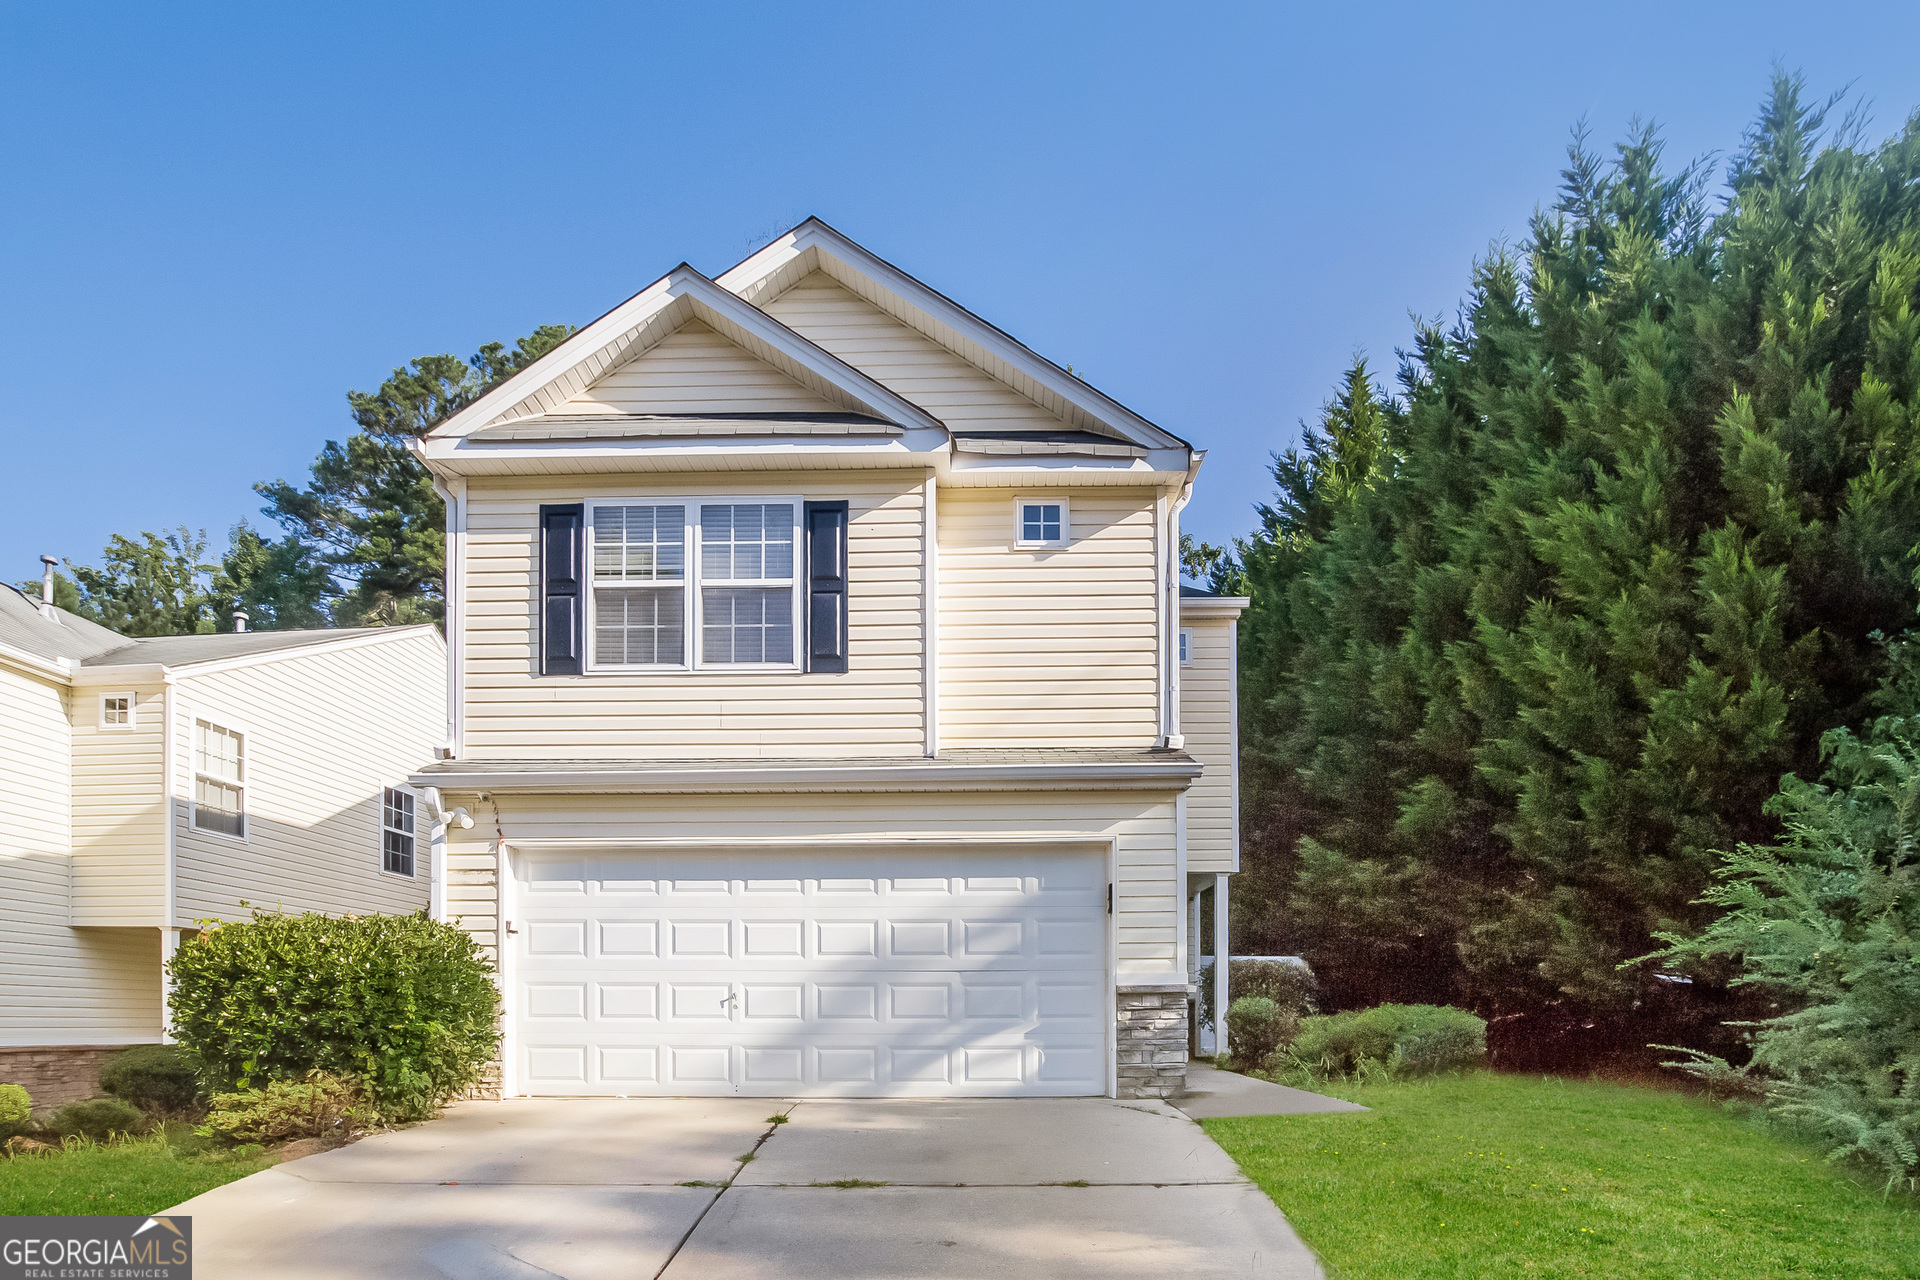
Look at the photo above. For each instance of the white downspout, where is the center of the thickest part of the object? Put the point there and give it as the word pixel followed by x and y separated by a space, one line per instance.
pixel 1221 964
pixel 930 611
pixel 1172 738
pixel 169 893
pixel 453 492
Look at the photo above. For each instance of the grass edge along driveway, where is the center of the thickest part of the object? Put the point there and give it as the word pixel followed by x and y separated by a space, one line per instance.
pixel 1486 1174
pixel 127 1176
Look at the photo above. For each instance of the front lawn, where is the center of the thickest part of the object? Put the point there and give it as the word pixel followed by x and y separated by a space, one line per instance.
pixel 1484 1175
pixel 138 1175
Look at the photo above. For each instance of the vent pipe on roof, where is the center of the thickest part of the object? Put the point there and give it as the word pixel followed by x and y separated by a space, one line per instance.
pixel 46 586
pixel 239 619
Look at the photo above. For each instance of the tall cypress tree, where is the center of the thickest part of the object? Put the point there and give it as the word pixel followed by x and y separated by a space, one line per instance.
pixel 1647 502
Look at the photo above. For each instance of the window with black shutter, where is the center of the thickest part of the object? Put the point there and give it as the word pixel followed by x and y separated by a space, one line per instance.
pixel 562 590
pixel 827 586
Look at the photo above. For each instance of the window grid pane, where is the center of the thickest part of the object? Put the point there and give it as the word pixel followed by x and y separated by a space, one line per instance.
pixel 1040 522
pixel 746 542
pixel 217 751
pixel 746 624
pixel 639 627
pixel 639 544
pixel 116 711
pixel 216 807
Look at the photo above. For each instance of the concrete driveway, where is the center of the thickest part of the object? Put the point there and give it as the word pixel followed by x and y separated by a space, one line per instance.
pixel 589 1188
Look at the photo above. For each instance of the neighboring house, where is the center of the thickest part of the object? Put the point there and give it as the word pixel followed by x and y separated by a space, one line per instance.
pixel 817 657
pixel 153 784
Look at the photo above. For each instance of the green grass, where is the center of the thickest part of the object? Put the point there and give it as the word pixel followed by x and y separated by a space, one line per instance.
pixel 136 1175
pixel 1484 1175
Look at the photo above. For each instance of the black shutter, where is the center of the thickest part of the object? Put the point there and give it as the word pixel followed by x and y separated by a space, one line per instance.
pixel 563 593
pixel 826 586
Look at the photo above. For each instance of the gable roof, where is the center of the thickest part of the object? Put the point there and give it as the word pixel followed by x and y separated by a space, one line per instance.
pixel 648 317
pixel 69 641
pixel 815 246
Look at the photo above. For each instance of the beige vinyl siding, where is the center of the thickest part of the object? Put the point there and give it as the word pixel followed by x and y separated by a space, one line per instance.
pixel 695 370
pixel 1048 648
pixel 119 811
pixel 904 360
pixel 875 708
pixel 325 732
pixel 1140 826
pixel 1206 719
pixel 58 984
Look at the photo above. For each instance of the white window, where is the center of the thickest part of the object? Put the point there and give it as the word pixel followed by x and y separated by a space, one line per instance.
pixel 219 779
pixel 396 831
pixel 1186 646
pixel 116 711
pixel 719 570
pixel 1041 522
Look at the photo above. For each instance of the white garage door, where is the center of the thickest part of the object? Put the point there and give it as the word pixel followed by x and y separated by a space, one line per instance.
pixel 954 973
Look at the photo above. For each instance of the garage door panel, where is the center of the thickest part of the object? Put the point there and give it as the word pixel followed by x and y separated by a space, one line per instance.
pixel 921 974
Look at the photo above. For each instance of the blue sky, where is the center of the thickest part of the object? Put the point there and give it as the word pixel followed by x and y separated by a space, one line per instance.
pixel 217 219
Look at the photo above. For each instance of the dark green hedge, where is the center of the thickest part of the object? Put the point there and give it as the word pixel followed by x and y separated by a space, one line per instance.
pixel 402 1003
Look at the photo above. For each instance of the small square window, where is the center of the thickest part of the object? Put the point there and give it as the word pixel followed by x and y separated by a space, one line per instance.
pixel 396 831
pixel 116 711
pixel 1043 523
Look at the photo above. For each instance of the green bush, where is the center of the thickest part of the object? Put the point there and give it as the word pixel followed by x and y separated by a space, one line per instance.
pixel 317 1107
pixel 1830 920
pixel 161 1079
pixel 1291 986
pixel 1256 1026
pixel 1400 1037
pixel 16 1109
pixel 402 1003
pixel 96 1120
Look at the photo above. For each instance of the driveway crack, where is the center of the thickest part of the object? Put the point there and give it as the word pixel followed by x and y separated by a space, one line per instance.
pixel 774 1122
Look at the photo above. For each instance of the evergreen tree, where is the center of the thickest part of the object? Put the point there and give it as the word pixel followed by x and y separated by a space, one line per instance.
pixel 154 585
pixel 1611 574
pixel 280 585
pixel 368 514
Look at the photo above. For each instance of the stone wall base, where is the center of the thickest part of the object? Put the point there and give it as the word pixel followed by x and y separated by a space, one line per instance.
pixel 1151 1043
pixel 56 1074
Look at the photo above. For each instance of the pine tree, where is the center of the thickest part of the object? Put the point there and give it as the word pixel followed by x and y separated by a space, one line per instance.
pixel 368 514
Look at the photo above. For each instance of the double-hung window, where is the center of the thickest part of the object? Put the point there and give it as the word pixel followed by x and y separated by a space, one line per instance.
pixel 219 779
pixel 396 831
pixel 695 584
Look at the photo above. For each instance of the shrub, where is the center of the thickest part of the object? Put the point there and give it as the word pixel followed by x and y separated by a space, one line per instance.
pixel 16 1110
pixel 95 1120
pixel 1409 1037
pixel 319 1106
pixel 161 1079
pixel 1830 920
pixel 403 1003
pixel 1256 1026
pixel 1291 986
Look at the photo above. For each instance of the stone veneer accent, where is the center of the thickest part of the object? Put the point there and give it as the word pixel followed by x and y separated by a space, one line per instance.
pixel 1151 1043
pixel 56 1074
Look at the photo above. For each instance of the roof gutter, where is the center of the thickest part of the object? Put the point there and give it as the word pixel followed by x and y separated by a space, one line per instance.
pixel 916 776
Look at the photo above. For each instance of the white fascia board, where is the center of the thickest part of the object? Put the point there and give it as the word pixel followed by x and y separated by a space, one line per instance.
pixel 825 241
pixel 458 457
pixel 153 672
pixel 828 777
pixel 1224 607
pixel 711 303
pixel 58 669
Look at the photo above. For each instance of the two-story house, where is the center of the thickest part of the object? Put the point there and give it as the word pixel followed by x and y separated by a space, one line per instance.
pixel 153 784
pixel 816 670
